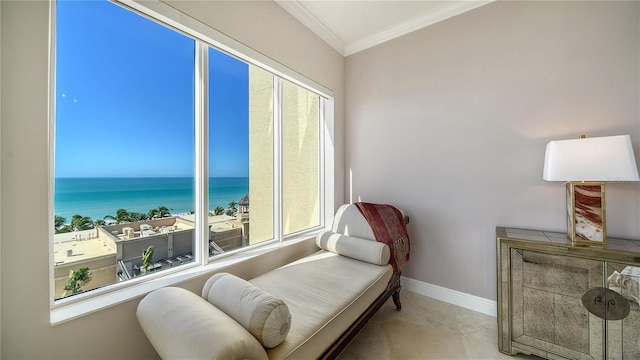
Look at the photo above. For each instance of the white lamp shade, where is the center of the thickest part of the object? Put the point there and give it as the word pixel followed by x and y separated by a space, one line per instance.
pixel 608 158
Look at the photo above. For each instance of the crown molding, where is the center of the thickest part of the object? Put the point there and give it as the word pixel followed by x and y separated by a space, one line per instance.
pixel 446 12
pixel 297 10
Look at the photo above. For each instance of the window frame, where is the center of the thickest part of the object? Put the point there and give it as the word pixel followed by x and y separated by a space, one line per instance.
pixel 65 309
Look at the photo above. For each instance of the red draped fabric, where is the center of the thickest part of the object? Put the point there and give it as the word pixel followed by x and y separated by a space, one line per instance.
pixel 389 228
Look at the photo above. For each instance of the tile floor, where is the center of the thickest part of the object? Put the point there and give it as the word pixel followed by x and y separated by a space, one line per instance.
pixel 427 329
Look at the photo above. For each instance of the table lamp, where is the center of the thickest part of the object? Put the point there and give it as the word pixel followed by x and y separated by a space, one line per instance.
pixel 585 164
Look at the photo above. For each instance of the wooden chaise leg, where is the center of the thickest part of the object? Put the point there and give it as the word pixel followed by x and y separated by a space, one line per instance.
pixel 333 351
pixel 396 298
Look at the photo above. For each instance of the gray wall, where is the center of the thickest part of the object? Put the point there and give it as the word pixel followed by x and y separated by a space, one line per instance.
pixel 450 123
pixel 112 333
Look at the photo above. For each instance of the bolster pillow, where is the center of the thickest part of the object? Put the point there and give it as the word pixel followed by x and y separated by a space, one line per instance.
pixel 266 317
pixel 360 249
pixel 182 325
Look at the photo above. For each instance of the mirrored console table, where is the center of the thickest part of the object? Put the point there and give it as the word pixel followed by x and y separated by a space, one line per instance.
pixel 558 300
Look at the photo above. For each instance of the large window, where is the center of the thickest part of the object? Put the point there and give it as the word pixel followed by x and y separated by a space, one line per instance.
pixel 127 202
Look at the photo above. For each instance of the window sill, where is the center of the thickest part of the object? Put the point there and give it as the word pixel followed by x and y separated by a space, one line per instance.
pixel 63 312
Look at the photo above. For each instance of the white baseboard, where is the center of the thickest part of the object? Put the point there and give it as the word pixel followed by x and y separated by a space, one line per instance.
pixel 468 301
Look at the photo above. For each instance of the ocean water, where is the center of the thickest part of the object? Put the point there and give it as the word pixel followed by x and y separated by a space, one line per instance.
pixel 98 197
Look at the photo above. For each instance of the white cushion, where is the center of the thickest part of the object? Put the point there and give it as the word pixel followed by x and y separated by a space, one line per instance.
pixel 182 325
pixel 326 293
pixel 266 317
pixel 350 221
pixel 370 251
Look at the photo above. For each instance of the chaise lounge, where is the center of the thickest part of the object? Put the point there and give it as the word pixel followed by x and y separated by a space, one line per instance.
pixel 310 308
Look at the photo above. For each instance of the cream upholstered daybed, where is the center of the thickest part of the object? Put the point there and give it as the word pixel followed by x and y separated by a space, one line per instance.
pixel 308 309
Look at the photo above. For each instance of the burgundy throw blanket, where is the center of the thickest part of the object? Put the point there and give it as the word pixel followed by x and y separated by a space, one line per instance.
pixel 388 227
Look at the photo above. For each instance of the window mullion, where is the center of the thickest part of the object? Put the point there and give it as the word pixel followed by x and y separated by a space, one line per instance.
pixel 201 238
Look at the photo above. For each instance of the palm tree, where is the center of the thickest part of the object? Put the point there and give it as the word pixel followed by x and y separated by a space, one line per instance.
pixel 59 225
pixel 164 211
pixel 122 215
pixel 231 211
pixel 137 216
pixel 76 280
pixel 79 223
pixel 59 221
pixel 159 212
pixel 64 229
pixel 218 210
pixel 99 222
pixel 147 255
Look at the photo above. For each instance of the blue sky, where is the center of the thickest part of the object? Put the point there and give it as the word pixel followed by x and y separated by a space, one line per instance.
pixel 125 98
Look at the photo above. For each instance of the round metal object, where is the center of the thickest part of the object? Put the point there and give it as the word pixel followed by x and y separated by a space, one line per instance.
pixel 606 303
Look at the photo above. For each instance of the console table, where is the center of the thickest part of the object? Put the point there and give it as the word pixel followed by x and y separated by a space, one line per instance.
pixel 558 300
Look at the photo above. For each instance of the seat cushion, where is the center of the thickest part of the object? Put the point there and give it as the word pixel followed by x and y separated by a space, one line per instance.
pixel 325 293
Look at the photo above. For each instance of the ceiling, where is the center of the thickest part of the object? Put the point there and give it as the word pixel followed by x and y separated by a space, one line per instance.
pixel 350 26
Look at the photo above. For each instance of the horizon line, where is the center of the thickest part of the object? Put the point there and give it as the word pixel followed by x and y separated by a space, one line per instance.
pixel 141 177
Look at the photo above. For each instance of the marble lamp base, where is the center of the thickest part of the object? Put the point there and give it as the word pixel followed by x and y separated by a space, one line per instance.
pixel 586 212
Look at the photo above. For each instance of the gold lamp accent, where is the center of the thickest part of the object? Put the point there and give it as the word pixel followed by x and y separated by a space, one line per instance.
pixel 585 164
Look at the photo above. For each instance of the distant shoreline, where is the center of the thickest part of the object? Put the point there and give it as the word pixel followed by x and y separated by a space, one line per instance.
pixel 144 177
pixel 98 197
